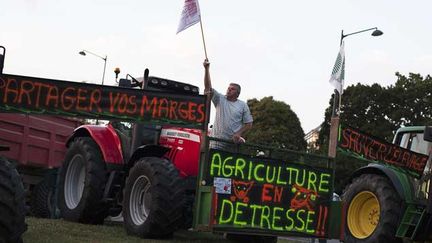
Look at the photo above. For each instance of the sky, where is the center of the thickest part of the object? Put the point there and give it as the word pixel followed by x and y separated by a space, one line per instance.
pixel 285 49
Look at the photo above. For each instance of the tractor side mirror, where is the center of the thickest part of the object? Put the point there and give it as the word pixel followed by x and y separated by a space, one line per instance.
pixel 427 135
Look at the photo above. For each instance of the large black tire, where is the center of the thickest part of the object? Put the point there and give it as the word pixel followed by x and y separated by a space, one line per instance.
pixel 189 199
pixel 373 210
pixel 12 204
pixel 153 199
pixel 82 181
pixel 42 203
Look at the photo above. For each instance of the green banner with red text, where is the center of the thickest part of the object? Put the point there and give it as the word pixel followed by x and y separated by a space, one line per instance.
pixel 20 94
pixel 365 146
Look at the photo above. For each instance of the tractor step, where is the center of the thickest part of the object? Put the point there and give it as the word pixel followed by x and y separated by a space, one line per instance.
pixel 113 188
pixel 411 220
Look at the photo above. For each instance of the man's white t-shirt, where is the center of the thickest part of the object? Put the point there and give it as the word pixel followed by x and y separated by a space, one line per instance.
pixel 230 116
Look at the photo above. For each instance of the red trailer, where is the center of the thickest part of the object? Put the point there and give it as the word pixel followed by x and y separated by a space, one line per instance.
pixel 37 147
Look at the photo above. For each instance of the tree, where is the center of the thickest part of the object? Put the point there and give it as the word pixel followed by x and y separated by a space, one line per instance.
pixel 412 100
pixel 275 124
pixel 379 110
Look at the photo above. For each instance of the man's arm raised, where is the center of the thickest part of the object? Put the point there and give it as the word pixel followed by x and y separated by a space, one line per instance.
pixel 207 80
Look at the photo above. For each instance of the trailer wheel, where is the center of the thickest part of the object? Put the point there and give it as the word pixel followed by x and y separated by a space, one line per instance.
pixel 154 199
pixel 82 182
pixel 42 199
pixel 373 210
pixel 12 204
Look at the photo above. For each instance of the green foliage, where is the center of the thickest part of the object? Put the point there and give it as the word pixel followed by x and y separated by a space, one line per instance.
pixel 379 111
pixel 275 124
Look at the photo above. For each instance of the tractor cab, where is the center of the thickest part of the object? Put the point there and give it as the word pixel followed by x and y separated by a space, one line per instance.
pixel 417 139
pixel 180 145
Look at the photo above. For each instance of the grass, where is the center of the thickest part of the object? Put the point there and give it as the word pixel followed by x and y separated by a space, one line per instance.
pixel 57 230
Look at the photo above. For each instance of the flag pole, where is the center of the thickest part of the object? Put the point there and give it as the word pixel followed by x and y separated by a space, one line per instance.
pixel 202 34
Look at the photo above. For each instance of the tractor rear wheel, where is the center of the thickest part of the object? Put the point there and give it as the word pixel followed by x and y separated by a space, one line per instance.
pixel 12 204
pixel 153 199
pixel 83 177
pixel 373 210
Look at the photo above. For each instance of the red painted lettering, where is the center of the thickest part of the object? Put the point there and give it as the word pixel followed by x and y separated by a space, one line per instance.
pixel 192 110
pixel 172 110
pixel 68 99
pixel 163 108
pixel 345 138
pixel 145 106
pixel 113 101
pixel 132 101
pixel 201 113
pixel 123 102
pixel 182 111
pixel 95 98
pixel 265 193
pixel 11 90
pixel 26 88
pixel 52 95
pixel 39 93
pixel 81 98
pixel 278 194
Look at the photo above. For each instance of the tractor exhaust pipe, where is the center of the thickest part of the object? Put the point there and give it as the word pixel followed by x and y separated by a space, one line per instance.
pixel 2 57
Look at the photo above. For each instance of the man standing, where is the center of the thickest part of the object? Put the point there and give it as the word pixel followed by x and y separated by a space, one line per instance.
pixel 233 116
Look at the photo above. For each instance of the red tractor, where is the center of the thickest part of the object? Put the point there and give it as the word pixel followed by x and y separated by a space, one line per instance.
pixel 147 172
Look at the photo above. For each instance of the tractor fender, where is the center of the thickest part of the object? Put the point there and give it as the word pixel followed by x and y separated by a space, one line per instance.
pixel 150 150
pixel 400 180
pixel 105 137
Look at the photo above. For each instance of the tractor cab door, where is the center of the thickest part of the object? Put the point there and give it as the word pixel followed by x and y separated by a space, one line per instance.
pixel 415 140
pixel 419 140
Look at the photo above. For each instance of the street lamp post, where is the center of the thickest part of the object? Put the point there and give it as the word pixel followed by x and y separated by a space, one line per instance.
pixel 337 97
pixel 84 52
pixel 376 32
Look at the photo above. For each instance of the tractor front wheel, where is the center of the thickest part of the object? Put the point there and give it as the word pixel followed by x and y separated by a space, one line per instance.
pixel 153 199
pixel 82 182
pixel 373 210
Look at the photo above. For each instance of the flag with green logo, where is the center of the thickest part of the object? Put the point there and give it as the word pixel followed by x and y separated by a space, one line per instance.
pixel 338 73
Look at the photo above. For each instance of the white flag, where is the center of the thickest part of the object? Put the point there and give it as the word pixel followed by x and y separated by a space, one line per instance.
pixel 190 15
pixel 338 73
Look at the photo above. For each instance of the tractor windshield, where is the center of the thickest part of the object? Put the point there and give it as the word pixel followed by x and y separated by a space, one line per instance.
pixel 414 141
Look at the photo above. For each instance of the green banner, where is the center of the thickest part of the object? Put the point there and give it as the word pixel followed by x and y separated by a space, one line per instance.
pixel 54 97
pixel 371 148
pixel 254 194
